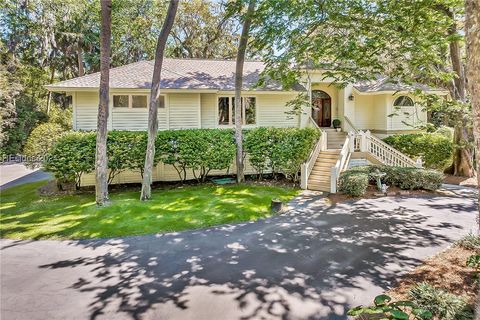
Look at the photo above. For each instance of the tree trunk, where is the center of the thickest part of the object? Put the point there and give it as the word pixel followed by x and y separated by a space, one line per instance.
pixel 242 48
pixel 462 157
pixel 49 98
pixel 81 70
pixel 101 167
pixel 472 28
pixel 154 94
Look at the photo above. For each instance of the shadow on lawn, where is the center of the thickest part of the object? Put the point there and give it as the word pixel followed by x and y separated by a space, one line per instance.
pixel 307 263
pixel 77 217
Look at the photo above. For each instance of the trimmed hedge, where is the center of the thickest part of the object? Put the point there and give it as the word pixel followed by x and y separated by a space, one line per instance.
pixel 72 156
pixel 435 149
pixel 280 150
pixel 355 181
pixel 199 150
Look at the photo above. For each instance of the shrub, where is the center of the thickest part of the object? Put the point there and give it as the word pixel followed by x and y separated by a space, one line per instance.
pixel 40 141
pixel 72 156
pixel 281 150
pixel 258 145
pixel 444 305
pixel 201 150
pixel 353 182
pixel 435 149
pixel 125 151
pixel 409 178
pixel 60 116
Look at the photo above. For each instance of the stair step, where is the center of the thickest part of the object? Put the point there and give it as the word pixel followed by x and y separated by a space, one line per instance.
pixel 325 163
pixel 322 173
pixel 328 156
pixel 318 187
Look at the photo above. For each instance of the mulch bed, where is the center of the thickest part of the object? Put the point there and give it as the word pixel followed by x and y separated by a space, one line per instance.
pixel 446 270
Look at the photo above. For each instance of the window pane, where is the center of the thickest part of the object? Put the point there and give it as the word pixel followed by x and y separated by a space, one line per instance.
pixel 139 101
pixel 403 101
pixel 120 101
pixel 161 102
pixel 223 110
pixel 250 107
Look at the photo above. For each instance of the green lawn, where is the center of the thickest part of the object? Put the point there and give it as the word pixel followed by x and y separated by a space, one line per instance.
pixel 26 215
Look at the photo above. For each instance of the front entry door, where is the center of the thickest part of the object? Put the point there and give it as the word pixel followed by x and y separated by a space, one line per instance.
pixel 321 108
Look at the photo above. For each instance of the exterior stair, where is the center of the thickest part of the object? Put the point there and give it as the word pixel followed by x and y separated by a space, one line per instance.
pixel 335 139
pixel 319 178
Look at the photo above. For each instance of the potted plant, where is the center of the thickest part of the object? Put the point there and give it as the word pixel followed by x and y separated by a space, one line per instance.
pixel 337 124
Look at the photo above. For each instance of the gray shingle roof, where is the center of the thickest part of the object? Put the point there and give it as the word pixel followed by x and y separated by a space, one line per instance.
pixel 177 74
pixel 383 84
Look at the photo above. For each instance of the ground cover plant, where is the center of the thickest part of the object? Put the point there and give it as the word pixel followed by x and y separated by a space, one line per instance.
pixel 26 215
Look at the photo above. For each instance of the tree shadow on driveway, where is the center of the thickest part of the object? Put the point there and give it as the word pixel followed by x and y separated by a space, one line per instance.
pixel 313 262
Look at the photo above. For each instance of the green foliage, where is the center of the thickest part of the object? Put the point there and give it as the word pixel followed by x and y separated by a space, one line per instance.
pixel 60 116
pixel 470 242
pixel 353 183
pixel 445 131
pixel 384 308
pixel 125 151
pixel 72 156
pixel 442 304
pixel 281 150
pixel 201 150
pixel 336 123
pixel 435 148
pixel 409 178
pixel 474 261
pixel 40 142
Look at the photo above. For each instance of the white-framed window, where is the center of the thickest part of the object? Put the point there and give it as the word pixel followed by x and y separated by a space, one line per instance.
pixel 403 101
pixel 135 101
pixel 226 110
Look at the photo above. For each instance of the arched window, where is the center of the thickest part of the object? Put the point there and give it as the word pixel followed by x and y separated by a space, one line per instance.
pixel 403 101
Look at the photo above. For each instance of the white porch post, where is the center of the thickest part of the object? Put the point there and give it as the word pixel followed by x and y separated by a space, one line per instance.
pixel 351 141
pixel 419 162
pixel 303 176
pixel 363 141
pixel 333 180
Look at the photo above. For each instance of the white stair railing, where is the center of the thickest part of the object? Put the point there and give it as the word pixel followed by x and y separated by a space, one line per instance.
pixel 307 166
pixel 342 162
pixel 383 152
pixel 348 125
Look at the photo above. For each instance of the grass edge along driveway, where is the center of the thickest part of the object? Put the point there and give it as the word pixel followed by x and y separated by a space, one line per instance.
pixel 26 215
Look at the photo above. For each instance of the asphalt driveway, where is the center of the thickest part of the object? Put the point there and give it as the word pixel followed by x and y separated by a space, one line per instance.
pixel 313 262
pixel 13 174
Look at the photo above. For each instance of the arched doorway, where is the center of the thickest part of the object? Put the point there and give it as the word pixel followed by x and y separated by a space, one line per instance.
pixel 321 108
